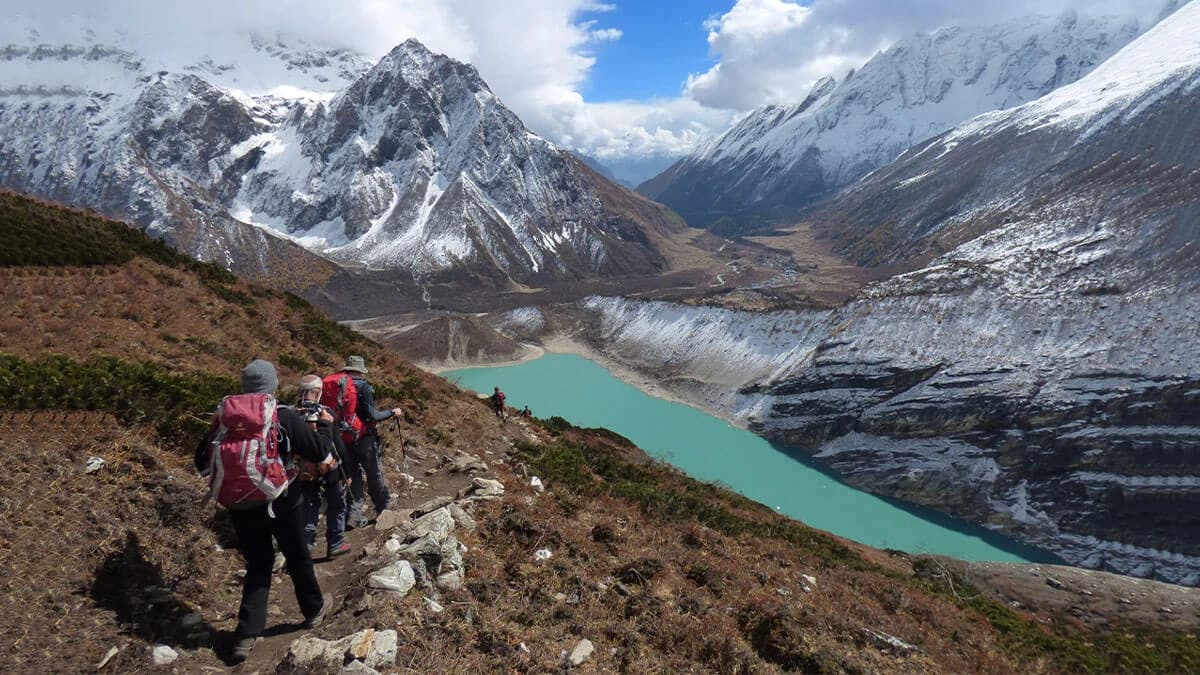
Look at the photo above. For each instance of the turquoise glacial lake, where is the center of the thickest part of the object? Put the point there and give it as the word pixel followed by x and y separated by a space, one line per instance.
pixel 711 449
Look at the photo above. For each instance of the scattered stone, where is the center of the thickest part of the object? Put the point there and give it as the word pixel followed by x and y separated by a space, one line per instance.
pixel 483 488
pixel 1087 593
pixel 396 578
pixel 536 484
pixel 162 655
pixel 357 668
pixel 431 506
pixel 582 652
pixel 422 549
pixel 812 581
pixel 560 597
pixel 93 464
pixel 392 546
pixel 1055 583
pixel 886 641
pixel 450 581
pixel 373 649
pixel 433 605
pixel 783 592
pixel 430 472
pixel 364 604
pixel 390 519
pixel 542 554
pixel 437 524
pixel 1165 610
pixel 280 560
pixel 622 589
pixel 466 463
pixel 112 651
pixel 806 588
pixel 523 648
pixel 451 556
pixel 462 518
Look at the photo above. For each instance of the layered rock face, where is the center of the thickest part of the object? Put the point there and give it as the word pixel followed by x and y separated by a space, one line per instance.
pixel 411 164
pixel 1038 371
pixel 781 158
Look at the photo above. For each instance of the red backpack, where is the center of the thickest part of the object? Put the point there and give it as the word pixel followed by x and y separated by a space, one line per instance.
pixel 245 465
pixel 339 394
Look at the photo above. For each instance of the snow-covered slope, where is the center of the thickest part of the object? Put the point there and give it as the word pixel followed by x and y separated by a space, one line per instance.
pixel 782 157
pixel 1039 369
pixel 410 164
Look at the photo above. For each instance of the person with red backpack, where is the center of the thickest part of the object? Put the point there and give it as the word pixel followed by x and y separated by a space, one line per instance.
pixel 365 452
pixel 248 454
pixel 316 481
pixel 498 406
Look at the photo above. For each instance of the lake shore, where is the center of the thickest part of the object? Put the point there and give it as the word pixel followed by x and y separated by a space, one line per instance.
pixel 565 344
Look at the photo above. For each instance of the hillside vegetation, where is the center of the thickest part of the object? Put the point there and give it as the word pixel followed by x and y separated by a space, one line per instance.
pixel 117 348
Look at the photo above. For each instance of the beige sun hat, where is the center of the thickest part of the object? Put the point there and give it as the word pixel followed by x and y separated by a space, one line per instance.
pixel 356 363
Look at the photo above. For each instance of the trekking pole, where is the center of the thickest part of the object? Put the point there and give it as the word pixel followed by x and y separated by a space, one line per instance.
pixel 409 479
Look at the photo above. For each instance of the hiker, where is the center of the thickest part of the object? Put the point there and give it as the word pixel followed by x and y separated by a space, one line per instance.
pixel 364 455
pixel 284 434
pixel 526 413
pixel 498 404
pixel 316 480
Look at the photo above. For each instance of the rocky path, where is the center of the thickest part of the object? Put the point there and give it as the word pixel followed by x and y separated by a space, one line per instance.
pixel 411 548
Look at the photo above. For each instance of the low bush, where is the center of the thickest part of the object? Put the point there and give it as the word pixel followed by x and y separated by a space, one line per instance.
pixel 134 392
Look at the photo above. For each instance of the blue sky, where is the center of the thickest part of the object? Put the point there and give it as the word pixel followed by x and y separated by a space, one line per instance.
pixel 661 43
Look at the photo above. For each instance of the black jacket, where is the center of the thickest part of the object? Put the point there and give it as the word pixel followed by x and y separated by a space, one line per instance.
pixel 332 436
pixel 367 412
pixel 300 439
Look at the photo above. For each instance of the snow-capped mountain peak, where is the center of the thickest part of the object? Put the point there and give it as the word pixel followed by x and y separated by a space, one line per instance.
pixel 780 158
pixel 408 164
pixel 1164 61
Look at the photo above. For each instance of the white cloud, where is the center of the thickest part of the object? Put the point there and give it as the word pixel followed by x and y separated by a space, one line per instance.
pixel 537 54
pixel 770 51
pixel 606 34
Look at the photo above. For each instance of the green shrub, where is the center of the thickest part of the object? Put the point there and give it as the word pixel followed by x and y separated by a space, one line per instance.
pixel 664 494
pixel 135 392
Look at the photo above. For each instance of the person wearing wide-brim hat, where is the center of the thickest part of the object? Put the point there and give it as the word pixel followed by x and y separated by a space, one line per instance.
pixel 364 455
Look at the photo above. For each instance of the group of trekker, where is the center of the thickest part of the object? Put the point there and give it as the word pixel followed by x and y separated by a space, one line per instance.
pixel 497 399
pixel 270 465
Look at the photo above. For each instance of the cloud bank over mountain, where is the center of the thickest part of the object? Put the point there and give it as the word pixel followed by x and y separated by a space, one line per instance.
pixel 537 54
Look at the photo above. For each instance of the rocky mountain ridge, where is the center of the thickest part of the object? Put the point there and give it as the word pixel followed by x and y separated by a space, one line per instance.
pixel 411 164
pixel 781 158
pixel 1036 371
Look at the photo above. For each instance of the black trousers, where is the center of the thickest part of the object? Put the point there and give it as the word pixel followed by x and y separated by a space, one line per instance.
pixel 255 530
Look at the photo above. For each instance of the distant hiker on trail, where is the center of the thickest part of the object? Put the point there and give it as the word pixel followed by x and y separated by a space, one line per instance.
pixel 526 413
pixel 247 453
pixel 318 479
pixel 364 455
pixel 498 404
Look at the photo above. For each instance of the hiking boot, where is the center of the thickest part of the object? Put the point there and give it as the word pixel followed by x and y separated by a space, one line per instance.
pixel 317 619
pixel 355 522
pixel 242 648
pixel 335 551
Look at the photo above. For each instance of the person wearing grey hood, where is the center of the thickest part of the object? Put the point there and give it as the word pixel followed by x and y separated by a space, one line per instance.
pixel 280 521
pixel 364 456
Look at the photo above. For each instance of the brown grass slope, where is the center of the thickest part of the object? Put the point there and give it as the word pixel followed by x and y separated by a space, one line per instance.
pixel 118 350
